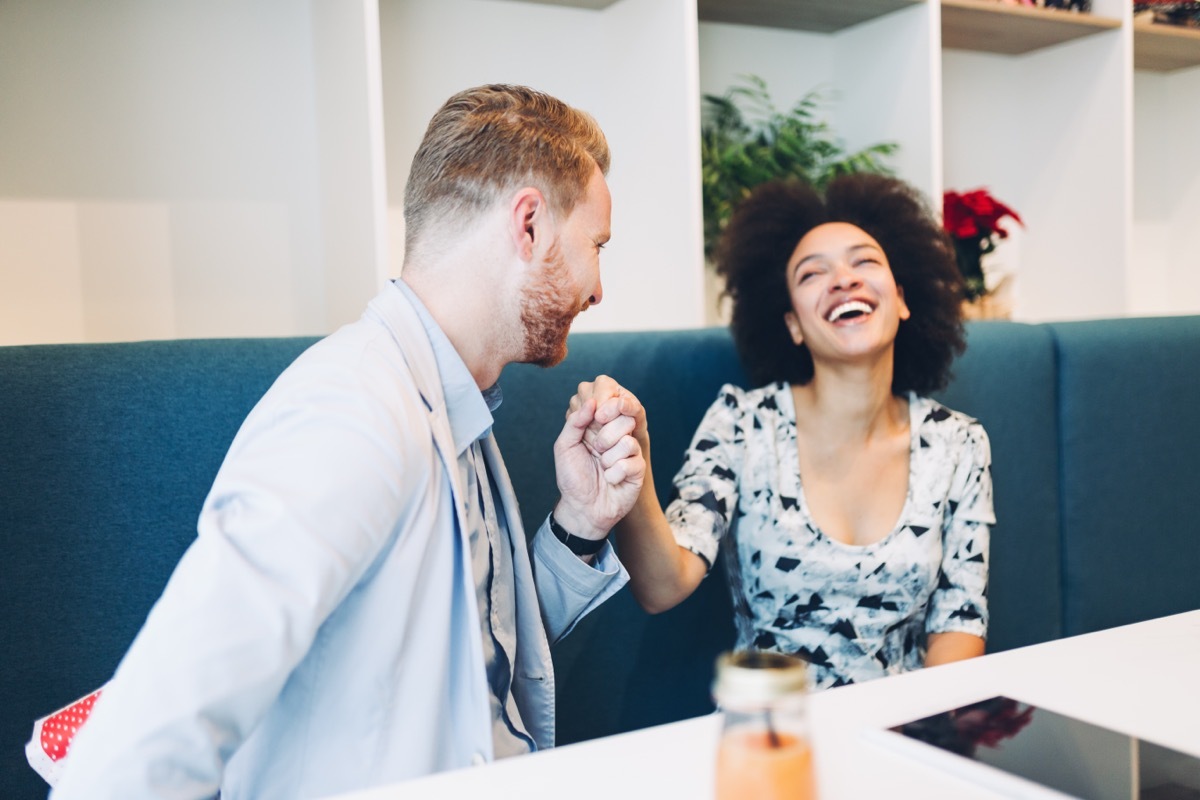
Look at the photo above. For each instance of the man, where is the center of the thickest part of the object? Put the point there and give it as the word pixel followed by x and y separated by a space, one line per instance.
pixel 360 605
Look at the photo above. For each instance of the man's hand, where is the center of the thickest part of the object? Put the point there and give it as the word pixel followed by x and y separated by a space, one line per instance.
pixel 599 463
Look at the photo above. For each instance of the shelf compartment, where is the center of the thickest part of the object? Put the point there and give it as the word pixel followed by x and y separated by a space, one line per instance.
pixel 1013 30
pixel 594 5
pixel 817 16
pixel 1165 48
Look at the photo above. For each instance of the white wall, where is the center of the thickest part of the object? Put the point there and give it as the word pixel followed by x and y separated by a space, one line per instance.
pixel 349 125
pixel 793 63
pixel 898 103
pixel 1164 276
pixel 41 286
pixel 629 66
pixel 159 170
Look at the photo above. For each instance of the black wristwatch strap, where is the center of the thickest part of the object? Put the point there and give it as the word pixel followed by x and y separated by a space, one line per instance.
pixel 577 545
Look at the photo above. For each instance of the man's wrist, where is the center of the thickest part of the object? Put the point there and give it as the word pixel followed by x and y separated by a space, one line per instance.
pixel 578 521
pixel 579 545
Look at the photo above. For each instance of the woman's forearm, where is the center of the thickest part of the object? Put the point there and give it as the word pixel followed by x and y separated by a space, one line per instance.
pixel 943 648
pixel 661 573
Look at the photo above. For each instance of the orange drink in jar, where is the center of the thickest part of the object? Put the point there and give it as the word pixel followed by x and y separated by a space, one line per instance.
pixel 764 752
pixel 754 765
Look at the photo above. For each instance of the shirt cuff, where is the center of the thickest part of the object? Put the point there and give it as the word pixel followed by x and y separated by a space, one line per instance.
pixel 567 587
pixel 584 577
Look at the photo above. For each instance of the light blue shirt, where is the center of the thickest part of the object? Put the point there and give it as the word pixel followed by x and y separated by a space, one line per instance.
pixel 322 634
pixel 470 413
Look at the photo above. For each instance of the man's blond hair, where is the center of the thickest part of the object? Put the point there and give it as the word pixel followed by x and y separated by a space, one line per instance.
pixel 491 139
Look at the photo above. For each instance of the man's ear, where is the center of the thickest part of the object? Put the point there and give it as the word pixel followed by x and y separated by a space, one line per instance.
pixel 793 325
pixel 527 222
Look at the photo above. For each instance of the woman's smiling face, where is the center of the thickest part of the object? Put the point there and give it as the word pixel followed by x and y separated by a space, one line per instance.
pixel 845 301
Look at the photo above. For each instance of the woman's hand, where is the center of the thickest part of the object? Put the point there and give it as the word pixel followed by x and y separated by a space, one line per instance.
pixel 612 401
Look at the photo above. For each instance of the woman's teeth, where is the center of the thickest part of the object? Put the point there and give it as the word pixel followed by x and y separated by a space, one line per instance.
pixel 852 308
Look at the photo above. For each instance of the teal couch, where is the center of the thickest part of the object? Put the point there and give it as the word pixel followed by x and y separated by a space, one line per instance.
pixel 107 452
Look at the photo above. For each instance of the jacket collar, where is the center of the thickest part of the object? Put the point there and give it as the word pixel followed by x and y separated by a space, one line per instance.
pixel 468 409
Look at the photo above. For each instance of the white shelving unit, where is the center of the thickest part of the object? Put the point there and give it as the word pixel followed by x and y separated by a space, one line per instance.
pixel 1037 105
pixel 184 169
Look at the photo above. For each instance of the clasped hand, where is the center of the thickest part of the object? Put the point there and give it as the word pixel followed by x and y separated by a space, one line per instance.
pixel 598 461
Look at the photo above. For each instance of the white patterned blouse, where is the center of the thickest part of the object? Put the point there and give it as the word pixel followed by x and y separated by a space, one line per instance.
pixel 854 612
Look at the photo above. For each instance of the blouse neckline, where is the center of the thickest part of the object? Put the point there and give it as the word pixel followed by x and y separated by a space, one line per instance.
pixel 802 499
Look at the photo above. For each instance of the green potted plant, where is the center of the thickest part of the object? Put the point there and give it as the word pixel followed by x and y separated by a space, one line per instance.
pixel 745 140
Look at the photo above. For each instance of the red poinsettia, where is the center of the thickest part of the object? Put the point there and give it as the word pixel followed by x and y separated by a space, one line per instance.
pixel 973 222
pixel 975 215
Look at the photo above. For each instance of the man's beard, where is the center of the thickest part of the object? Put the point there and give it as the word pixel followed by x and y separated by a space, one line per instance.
pixel 547 310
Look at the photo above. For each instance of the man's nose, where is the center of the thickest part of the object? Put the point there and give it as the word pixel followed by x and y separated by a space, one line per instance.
pixel 597 294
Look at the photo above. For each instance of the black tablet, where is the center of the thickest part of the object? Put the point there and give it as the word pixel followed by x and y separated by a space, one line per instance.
pixel 1025 751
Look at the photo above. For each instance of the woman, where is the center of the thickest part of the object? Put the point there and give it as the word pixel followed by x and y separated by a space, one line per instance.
pixel 853 509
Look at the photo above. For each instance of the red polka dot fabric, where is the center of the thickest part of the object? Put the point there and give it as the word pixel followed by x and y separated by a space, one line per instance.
pixel 52 736
pixel 60 728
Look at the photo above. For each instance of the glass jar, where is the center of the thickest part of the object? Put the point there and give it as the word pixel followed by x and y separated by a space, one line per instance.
pixel 764 752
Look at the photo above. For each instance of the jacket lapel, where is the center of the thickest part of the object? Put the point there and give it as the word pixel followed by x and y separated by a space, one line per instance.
pixel 401 320
pixel 533 674
pixel 396 313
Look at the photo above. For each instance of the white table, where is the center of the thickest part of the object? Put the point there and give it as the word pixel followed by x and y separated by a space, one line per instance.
pixel 1141 679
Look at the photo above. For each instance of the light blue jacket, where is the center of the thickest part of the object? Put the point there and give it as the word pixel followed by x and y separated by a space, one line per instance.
pixel 322 634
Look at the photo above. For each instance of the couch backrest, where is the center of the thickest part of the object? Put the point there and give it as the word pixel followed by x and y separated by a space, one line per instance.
pixel 1129 403
pixel 106 454
pixel 1006 380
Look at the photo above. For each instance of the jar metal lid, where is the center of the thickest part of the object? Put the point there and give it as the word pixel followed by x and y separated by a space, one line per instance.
pixel 757 677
